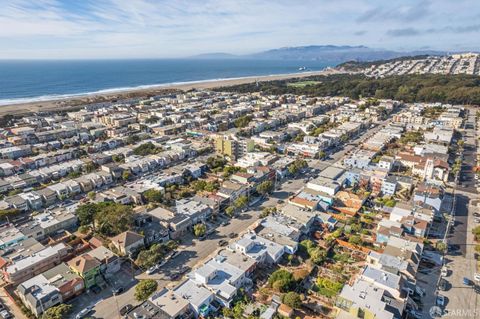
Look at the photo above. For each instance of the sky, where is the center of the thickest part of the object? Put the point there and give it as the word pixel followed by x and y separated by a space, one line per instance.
pixel 90 29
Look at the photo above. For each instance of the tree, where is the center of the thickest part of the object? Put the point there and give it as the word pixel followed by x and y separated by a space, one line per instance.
pixel 240 202
pixel 86 213
pixel 92 195
pixel 57 312
pixel 281 280
pixel 118 158
pixel 355 240
pixel 153 195
pixel 441 246
pixel 242 121
pixel 113 218
pixel 8 212
pixel 132 139
pixel 199 230
pixel 147 149
pixel 144 289
pixel 229 211
pixel 126 175
pixel 265 187
pixel 152 119
pixel 318 255
pixel 292 299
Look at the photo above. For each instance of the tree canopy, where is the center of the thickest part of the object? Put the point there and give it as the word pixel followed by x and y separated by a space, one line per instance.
pixel 453 89
pixel 144 289
pixel 57 312
pixel 107 218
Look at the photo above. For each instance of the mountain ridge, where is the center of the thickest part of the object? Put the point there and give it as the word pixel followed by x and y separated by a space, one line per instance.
pixel 328 53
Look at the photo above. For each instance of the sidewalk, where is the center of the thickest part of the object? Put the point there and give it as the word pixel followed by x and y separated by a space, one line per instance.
pixel 12 307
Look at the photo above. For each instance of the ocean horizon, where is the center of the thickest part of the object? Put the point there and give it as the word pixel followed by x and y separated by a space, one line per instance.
pixel 24 81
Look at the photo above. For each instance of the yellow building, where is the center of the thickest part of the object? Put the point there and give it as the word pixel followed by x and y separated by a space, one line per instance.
pixel 233 148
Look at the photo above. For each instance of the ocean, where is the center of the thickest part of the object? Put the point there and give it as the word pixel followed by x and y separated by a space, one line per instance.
pixel 29 81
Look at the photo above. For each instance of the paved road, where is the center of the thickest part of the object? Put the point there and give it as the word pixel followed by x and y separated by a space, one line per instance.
pixel 462 300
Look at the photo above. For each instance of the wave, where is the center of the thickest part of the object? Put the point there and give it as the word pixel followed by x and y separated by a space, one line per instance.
pixel 57 97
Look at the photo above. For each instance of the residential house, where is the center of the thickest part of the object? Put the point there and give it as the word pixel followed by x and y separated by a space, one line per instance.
pixel 87 267
pixel 128 243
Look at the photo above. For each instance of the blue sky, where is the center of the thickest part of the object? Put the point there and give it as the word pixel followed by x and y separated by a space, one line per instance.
pixel 154 29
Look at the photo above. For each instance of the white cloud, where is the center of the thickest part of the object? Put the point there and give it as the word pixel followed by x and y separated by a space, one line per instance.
pixel 169 28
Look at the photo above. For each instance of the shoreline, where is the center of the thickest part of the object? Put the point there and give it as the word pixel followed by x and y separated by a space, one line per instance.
pixel 75 101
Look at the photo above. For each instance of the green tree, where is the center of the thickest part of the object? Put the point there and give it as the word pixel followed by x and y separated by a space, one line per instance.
pixel 265 187
pixel 144 289
pixel 292 299
pixel 126 175
pixel 57 312
pixel 229 211
pixel 355 240
pixel 92 195
pixel 152 119
pixel 147 149
pixel 118 158
pixel 113 219
pixel 240 202
pixel 86 213
pixel 199 230
pixel 7 213
pixel 281 280
pixel 242 121
pixel 441 246
pixel 153 195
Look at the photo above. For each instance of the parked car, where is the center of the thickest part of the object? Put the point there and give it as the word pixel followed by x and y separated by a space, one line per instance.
pixel 440 301
pixel 4 314
pixel 84 312
pixel 152 269
pixel 466 281
pixel 96 289
pixel 118 290
pixel 476 277
pixel 125 309
pixel 443 284
pixel 232 235
pixel 444 271
pixel 222 243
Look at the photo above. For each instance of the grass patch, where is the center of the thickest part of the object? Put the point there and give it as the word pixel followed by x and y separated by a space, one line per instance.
pixel 302 84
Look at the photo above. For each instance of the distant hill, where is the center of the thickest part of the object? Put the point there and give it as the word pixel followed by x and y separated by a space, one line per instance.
pixel 332 54
pixel 336 54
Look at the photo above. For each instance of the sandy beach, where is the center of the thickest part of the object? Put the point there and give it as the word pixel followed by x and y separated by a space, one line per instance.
pixel 79 101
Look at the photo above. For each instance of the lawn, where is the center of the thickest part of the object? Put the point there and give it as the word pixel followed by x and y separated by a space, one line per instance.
pixel 302 84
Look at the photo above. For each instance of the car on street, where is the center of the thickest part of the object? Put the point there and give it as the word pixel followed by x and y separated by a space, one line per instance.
pixel 225 223
pixel 222 243
pixel 443 285
pixel 125 309
pixel 84 312
pixel 152 269
pixel 96 289
pixel 4 314
pixel 117 290
pixel 444 271
pixel 440 301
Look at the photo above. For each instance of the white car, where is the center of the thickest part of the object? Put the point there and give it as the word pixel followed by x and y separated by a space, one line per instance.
pixel 444 271
pixel 84 312
pixel 476 277
pixel 152 269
